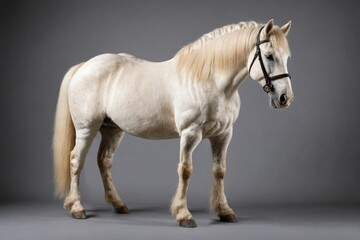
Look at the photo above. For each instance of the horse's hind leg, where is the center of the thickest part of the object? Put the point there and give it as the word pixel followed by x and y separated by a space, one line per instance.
pixel 84 138
pixel 111 138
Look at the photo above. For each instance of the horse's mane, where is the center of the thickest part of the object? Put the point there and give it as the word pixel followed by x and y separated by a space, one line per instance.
pixel 223 48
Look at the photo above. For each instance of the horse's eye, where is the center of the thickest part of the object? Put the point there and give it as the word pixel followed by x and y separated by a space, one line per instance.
pixel 269 57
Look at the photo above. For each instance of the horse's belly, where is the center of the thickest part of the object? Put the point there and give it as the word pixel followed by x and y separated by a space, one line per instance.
pixel 149 128
pixel 152 120
pixel 154 133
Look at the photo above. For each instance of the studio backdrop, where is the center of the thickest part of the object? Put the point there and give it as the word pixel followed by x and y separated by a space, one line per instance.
pixel 308 153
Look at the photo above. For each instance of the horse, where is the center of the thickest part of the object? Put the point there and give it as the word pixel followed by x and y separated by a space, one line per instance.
pixel 192 96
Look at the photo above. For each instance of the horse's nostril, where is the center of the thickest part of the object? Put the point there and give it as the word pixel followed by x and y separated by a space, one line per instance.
pixel 283 99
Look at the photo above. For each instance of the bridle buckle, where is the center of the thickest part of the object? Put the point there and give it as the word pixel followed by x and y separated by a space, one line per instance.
pixel 268 87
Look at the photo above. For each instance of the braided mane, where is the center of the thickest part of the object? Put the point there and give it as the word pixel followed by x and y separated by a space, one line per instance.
pixel 216 33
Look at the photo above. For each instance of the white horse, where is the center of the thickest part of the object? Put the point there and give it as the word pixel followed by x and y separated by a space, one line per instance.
pixel 191 96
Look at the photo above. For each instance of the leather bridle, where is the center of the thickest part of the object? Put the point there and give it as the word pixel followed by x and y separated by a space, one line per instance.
pixel 268 87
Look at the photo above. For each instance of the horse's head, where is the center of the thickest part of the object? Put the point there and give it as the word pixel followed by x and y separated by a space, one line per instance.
pixel 267 64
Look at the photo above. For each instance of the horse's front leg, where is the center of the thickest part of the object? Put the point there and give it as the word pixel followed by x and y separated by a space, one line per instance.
pixel 189 140
pixel 218 201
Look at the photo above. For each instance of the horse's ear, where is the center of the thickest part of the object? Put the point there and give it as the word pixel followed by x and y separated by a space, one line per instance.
pixel 286 28
pixel 267 28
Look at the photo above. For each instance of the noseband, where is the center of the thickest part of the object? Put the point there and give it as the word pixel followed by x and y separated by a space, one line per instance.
pixel 268 87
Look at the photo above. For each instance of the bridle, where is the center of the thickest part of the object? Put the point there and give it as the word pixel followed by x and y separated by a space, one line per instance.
pixel 268 87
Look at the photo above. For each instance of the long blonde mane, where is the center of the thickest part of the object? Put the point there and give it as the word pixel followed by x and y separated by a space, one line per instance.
pixel 223 48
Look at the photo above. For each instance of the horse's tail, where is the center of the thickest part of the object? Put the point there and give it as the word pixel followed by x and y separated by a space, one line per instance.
pixel 64 137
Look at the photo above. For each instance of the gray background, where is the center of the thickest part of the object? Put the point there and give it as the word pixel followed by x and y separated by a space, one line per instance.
pixel 305 154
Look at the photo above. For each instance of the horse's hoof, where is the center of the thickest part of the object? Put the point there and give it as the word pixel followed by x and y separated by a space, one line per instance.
pixel 122 209
pixel 228 218
pixel 79 214
pixel 188 223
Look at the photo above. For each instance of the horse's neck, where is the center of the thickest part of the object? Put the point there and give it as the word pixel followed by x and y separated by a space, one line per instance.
pixel 228 83
pixel 221 62
pixel 229 79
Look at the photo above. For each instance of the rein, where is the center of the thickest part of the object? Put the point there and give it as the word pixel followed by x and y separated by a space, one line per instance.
pixel 268 87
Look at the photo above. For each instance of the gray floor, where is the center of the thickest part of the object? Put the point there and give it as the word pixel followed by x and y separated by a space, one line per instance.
pixel 50 221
